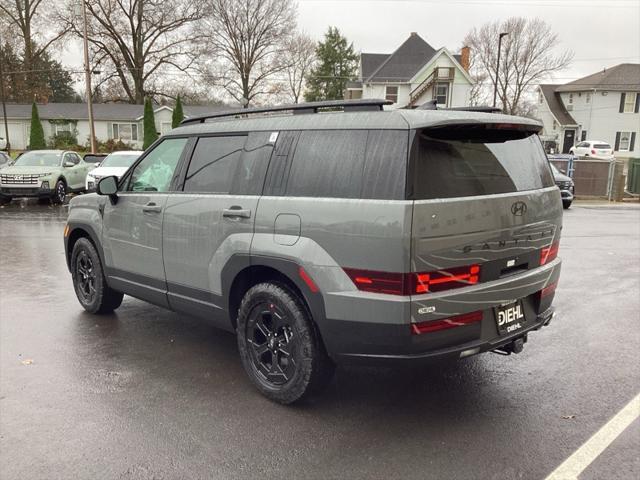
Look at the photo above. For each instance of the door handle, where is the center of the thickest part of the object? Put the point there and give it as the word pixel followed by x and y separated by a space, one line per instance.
pixel 151 207
pixel 236 212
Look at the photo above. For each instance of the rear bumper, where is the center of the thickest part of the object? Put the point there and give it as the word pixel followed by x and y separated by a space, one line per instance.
pixel 461 350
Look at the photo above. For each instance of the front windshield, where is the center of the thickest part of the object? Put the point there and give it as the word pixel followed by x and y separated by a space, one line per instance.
pixel 119 160
pixel 38 159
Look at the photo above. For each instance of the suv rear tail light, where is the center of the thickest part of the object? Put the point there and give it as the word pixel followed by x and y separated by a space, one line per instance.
pixel 451 322
pixel 547 254
pixel 413 283
pixel 593 152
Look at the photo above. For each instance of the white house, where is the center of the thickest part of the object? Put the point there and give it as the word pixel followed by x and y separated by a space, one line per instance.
pixel 118 121
pixel 603 106
pixel 413 74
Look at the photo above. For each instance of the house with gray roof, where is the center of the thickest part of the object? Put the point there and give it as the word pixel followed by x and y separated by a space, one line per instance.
pixel 117 121
pixel 603 106
pixel 413 74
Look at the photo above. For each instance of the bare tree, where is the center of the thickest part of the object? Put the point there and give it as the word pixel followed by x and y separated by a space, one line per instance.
pixel 528 56
pixel 31 20
pixel 245 40
pixel 137 41
pixel 298 57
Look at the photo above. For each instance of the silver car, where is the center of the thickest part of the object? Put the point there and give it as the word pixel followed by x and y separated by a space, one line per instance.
pixel 325 238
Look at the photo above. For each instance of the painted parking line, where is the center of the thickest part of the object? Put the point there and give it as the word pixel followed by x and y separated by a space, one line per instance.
pixel 589 451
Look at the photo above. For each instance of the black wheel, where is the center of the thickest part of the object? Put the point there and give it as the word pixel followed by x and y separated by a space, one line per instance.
pixel 566 204
pixel 59 193
pixel 92 290
pixel 279 345
pixel 5 200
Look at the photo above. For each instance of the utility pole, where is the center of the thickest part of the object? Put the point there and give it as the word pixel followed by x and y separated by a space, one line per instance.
pixel 87 79
pixel 495 84
pixel 4 107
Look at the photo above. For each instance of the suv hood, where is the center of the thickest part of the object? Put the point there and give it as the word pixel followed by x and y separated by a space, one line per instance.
pixel 20 170
pixel 108 171
pixel 560 177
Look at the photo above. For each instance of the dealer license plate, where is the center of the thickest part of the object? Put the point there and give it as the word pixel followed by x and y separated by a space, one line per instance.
pixel 510 318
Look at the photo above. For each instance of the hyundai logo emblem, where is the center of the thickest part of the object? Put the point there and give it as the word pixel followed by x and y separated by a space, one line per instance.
pixel 519 209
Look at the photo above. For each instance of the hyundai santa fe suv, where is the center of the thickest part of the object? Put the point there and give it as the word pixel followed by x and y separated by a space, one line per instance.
pixel 322 238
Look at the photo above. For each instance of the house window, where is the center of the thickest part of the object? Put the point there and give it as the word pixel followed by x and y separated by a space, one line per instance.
pixel 441 93
pixel 588 98
pixel 629 102
pixel 583 136
pixel 392 93
pixel 62 127
pixel 570 98
pixel 625 141
pixel 127 132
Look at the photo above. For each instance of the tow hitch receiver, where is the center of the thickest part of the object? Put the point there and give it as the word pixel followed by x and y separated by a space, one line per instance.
pixel 516 346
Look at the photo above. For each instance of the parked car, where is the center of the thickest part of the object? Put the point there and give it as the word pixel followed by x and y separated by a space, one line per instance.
pixel 115 163
pixel 94 158
pixel 355 236
pixel 3 143
pixel 566 186
pixel 593 149
pixel 5 160
pixel 43 174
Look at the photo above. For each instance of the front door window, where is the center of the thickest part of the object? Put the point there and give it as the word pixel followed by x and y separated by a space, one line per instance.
pixel 155 172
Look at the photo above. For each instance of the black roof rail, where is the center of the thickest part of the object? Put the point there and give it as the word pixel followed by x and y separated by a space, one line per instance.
pixel 358 105
pixel 479 108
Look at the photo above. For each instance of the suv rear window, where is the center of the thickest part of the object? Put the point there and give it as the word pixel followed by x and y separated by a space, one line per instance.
pixel 472 161
pixel 602 145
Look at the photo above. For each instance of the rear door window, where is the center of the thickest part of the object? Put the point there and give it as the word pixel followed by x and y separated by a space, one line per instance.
pixel 213 164
pixel 463 162
pixel 328 163
pixel 385 168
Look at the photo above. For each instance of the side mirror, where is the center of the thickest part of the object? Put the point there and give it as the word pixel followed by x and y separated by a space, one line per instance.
pixel 108 186
pixel 68 164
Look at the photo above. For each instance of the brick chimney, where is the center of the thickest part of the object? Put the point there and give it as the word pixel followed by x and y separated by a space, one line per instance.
pixel 465 52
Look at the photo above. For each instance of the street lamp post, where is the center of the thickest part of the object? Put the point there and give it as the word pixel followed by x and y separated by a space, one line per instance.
pixel 495 84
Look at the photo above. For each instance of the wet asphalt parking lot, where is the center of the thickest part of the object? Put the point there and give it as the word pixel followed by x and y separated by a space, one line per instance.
pixel 149 394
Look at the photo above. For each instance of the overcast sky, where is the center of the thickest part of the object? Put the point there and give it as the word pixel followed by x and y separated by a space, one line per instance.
pixel 600 33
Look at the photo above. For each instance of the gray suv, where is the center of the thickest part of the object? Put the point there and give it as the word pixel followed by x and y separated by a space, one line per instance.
pixel 324 237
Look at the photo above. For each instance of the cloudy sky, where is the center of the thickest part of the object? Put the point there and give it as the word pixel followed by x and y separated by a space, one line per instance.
pixel 601 33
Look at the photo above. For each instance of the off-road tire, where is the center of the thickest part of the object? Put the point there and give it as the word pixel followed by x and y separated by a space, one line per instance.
pixel 311 369
pixel 95 296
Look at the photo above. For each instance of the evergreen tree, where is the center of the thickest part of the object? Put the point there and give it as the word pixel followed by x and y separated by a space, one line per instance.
pixel 149 125
pixel 337 64
pixel 178 114
pixel 36 139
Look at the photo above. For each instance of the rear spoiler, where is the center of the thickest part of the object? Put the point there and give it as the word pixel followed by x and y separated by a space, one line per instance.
pixel 432 105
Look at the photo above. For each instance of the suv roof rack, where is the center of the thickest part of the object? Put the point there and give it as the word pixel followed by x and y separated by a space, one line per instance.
pixel 431 105
pixel 358 105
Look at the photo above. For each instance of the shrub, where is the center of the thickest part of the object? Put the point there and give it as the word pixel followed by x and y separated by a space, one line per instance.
pixel 36 138
pixel 150 132
pixel 65 141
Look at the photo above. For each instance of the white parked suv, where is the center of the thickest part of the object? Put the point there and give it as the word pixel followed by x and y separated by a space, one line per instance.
pixel 593 149
pixel 116 163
